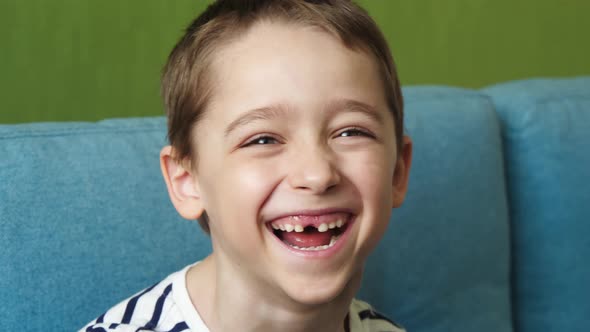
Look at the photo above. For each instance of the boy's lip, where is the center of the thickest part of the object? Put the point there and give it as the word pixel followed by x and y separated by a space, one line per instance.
pixel 311 213
pixel 319 253
pixel 315 217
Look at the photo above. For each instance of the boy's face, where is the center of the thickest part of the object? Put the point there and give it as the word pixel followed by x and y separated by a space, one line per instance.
pixel 297 134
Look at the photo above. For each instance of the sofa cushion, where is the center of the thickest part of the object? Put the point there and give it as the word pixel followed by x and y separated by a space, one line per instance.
pixel 85 221
pixel 546 132
pixel 443 264
pixel 83 197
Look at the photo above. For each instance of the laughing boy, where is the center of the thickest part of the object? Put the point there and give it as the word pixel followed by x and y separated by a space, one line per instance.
pixel 285 120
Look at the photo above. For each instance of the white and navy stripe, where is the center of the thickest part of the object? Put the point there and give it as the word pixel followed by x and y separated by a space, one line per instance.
pixel 132 319
pixel 362 317
pixel 166 307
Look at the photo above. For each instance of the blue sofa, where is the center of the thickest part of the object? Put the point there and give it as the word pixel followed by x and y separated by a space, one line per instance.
pixel 494 234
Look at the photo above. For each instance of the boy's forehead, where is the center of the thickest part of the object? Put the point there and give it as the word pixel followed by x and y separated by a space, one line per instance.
pixel 285 64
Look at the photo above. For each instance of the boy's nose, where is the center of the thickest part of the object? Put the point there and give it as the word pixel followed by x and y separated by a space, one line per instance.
pixel 313 170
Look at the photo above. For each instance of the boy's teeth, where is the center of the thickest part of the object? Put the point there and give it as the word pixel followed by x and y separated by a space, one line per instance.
pixel 318 248
pixel 299 228
pixel 323 228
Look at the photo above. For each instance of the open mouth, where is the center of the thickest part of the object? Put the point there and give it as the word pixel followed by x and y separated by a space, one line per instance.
pixel 311 233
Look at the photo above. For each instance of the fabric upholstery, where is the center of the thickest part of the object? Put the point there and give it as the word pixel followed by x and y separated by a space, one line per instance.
pixel 85 221
pixel 493 235
pixel 547 141
pixel 443 264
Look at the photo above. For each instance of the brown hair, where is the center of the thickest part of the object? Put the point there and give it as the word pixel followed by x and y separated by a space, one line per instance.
pixel 186 79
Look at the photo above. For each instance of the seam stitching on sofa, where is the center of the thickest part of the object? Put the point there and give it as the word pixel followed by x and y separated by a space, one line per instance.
pixel 78 131
pixel 553 99
pixel 531 100
pixel 446 97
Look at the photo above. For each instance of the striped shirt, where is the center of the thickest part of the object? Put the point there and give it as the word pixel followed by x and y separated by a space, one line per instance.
pixel 166 306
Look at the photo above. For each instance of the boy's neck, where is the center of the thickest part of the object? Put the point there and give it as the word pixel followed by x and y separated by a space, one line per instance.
pixel 228 302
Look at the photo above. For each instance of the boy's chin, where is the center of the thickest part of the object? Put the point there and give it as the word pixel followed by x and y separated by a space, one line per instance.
pixel 311 299
pixel 321 291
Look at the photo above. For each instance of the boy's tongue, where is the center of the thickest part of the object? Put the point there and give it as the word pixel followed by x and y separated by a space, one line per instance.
pixel 310 237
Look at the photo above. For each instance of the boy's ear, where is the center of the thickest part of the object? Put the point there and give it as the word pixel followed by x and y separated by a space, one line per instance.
pixel 402 172
pixel 183 187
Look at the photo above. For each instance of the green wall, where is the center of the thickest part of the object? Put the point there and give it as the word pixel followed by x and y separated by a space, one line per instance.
pixel 90 59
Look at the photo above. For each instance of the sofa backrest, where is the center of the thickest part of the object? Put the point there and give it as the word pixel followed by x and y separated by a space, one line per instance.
pixel 546 134
pixel 443 265
pixel 85 220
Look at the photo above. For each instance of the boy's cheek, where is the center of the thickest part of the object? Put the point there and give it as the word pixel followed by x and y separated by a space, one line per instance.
pixel 233 204
pixel 371 173
pixel 374 181
pixel 240 189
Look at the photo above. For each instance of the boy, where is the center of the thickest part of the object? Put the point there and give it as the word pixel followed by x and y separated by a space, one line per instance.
pixel 285 121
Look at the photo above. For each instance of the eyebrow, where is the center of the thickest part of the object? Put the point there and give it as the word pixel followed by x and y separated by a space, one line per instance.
pixel 262 113
pixel 355 106
pixel 279 110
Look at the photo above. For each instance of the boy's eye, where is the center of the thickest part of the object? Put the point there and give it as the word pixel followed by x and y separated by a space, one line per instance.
pixel 354 132
pixel 261 140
